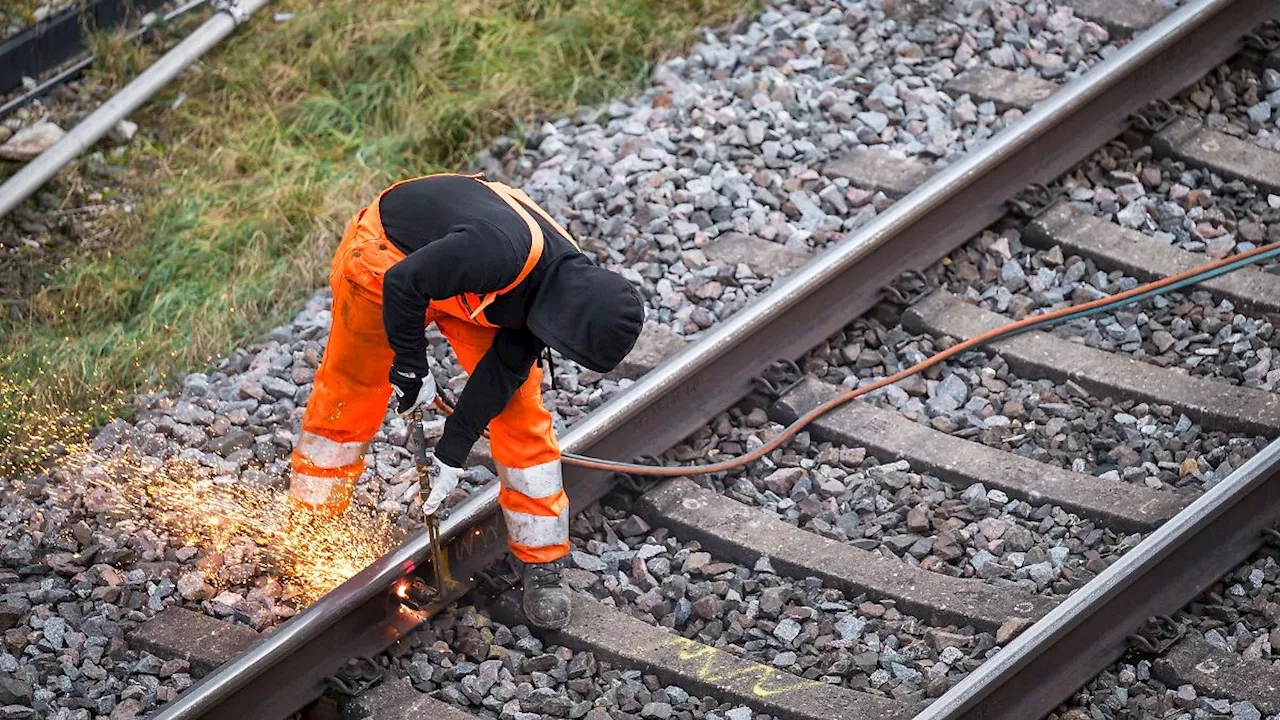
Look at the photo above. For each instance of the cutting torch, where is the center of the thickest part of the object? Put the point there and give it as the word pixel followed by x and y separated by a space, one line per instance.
pixel 426 481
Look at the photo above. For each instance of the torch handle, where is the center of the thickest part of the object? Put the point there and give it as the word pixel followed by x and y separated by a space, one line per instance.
pixel 419 439
pixel 439 559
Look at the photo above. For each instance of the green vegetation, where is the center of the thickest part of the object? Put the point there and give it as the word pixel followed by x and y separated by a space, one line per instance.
pixel 19 12
pixel 284 132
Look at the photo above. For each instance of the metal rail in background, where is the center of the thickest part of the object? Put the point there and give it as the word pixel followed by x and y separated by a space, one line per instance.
pixel 46 44
pixel 1059 654
pixel 285 670
pixel 81 65
pixel 33 175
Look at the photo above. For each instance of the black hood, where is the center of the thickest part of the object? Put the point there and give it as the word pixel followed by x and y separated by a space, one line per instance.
pixel 586 313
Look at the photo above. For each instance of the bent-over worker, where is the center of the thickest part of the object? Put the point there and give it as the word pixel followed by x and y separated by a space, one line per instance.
pixel 502 281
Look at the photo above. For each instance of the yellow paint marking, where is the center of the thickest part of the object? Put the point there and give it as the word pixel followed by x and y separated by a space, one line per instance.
pixel 768 683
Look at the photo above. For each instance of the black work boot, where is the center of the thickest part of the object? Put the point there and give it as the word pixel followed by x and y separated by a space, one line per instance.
pixel 546 601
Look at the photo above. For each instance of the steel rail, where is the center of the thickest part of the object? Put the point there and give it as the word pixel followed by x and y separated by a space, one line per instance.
pixel 1062 651
pixel 283 671
pixel 36 173
pixel 85 62
pixel 50 42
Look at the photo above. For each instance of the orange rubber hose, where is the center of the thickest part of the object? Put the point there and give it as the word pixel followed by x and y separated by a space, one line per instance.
pixel 804 420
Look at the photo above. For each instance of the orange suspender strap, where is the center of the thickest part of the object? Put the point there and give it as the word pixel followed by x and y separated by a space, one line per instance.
pixel 536 241
pixel 520 203
pixel 521 196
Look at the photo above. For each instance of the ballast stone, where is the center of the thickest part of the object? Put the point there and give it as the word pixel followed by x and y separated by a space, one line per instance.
pixel 28 143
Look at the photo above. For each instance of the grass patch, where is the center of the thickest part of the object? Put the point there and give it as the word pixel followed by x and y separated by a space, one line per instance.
pixel 19 12
pixel 284 132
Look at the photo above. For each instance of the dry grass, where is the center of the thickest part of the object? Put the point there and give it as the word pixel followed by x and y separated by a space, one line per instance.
pixel 284 131
pixel 20 12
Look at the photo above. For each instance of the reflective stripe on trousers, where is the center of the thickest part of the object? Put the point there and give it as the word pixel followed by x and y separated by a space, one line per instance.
pixel 536 510
pixel 325 472
pixel 325 453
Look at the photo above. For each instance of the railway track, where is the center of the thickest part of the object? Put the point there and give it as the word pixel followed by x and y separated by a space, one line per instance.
pixel 809 587
pixel 57 43
pixel 50 42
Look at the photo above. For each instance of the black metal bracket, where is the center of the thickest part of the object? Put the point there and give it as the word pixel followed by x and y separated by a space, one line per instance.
pixel 1032 201
pixel 415 594
pixel 1266 38
pixel 778 379
pixel 1116 149
pixel 628 488
pixel 1271 536
pixel 639 483
pixel 358 675
pixel 907 288
pixel 232 8
pixel 1156 635
pixel 495 581
pixel 1155 116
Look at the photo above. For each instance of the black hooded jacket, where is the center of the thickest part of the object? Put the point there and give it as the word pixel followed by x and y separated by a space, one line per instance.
pixel 458 236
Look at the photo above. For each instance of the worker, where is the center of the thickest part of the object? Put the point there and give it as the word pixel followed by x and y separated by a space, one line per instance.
pixel 502 281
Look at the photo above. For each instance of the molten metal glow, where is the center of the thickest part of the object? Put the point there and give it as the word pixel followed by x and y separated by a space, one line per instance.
pixel 199 506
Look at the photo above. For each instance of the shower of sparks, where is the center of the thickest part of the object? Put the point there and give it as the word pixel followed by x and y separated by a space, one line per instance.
pixel 214 512
pixel 199 506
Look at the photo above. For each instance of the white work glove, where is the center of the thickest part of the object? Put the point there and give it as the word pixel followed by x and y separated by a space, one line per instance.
pixel 412 390
pixel 444 478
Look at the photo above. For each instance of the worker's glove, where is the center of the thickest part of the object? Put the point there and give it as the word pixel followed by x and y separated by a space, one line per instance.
pixel 444 478
pixel 412 389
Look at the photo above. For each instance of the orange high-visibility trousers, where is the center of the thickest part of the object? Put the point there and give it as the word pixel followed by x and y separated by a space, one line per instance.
pixel 351 391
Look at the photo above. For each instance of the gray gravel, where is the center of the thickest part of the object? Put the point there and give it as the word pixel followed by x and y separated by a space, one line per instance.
pixel 72 590
pixel 732 137
pixel 797 625
pixel 975 396
pixel 1129 691
pixel 1194 332
pixel 1188 208
pixel 1238 101
pixel 838 492
pixel 466 658
pixel 1241 612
